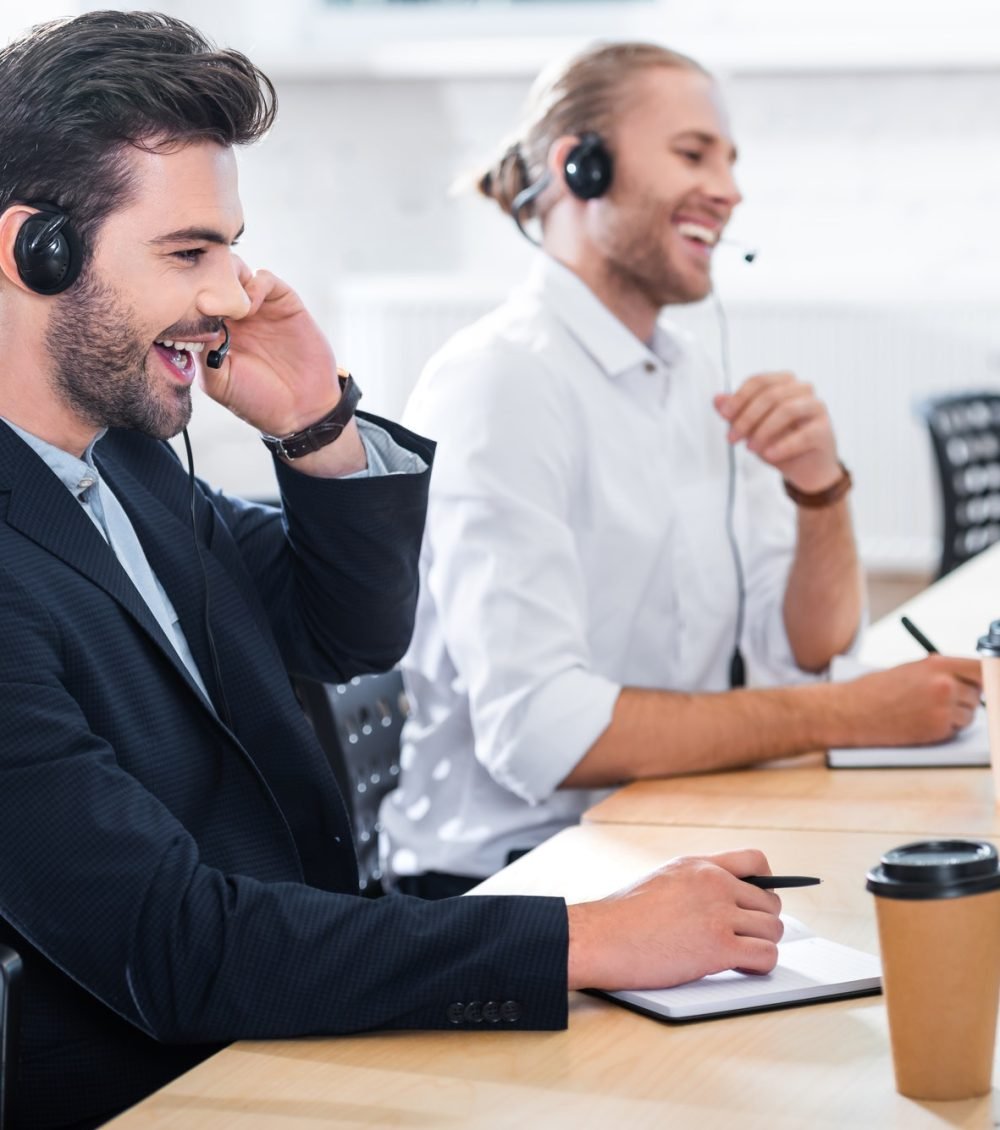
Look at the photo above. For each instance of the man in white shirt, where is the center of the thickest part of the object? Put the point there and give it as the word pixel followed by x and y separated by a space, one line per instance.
pixel 612 539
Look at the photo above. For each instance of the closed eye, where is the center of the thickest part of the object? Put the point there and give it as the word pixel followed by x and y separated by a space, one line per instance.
pixel 695 156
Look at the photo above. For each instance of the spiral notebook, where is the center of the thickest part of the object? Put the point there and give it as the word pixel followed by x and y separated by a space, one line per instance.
pixel 809 968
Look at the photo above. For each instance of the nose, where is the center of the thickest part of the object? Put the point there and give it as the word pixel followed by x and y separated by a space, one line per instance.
pixel 724 188
pixel 222 295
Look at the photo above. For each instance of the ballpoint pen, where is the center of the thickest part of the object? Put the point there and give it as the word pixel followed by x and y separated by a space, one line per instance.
pixel 769 882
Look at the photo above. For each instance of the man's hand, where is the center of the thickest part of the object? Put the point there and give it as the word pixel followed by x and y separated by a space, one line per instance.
pixel 917 703
pixel 787 425
pixel 690 918
pixel 281 373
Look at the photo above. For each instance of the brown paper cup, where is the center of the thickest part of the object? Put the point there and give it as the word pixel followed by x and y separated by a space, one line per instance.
pixel 991 692
pixel 941 979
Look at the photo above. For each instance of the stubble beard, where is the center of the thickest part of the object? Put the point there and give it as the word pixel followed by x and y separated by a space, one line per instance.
pixel 100 363
pixel 636 262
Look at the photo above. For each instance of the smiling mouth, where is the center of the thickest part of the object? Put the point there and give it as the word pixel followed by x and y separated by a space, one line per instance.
pixel 179 354
pixel 707 236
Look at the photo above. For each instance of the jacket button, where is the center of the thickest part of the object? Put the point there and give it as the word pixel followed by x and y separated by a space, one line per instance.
pixel 510 1011
pixel 491 1012
pixel 456 1012
pixel 474 1012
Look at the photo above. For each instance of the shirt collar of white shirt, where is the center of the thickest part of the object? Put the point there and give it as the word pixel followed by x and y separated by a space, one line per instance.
pixel 609 341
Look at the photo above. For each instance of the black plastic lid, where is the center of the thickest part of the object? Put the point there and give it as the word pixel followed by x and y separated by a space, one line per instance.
pixel 936 869
pixel 990 643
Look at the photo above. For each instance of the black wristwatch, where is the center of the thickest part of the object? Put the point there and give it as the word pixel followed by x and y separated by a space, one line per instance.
pixel 324 431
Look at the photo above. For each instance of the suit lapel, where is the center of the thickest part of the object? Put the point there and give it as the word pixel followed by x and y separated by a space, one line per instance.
pixel 42 509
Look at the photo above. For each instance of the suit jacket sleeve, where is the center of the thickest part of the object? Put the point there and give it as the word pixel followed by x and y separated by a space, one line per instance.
pixel 337 571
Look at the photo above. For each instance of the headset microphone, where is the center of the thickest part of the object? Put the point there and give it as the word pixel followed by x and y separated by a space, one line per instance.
pixel 215 357
pixel 748 253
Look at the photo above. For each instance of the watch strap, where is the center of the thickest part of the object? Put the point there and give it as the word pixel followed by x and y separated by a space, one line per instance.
pixel 816 500
pixel 324 431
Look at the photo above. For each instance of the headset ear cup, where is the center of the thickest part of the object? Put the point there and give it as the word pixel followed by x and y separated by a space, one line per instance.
pixel 47 251
pixel 588 169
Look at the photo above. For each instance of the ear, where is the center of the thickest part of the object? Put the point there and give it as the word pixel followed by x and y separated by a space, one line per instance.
pixel 10 224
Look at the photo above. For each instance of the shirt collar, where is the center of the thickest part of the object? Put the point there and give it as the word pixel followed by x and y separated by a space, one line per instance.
pixel 609 341
pixel 75 474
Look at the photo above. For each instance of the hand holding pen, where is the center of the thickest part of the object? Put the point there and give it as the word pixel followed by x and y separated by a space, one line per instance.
pixel 925 643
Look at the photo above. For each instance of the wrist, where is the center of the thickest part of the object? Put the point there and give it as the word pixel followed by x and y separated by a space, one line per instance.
pixel 828 495
pixel 322 431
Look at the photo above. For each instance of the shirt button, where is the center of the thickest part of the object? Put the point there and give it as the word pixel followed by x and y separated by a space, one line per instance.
pixel 491 1012
pixel 456 1012
pixel 510 1011
pixel 474 1012
pixel 84 484
pixel 649 366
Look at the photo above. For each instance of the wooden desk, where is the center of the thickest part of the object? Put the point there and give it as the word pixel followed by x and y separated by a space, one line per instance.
pixel 803 793
pixel 820 1066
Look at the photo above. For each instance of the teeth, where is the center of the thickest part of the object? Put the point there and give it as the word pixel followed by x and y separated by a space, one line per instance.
pixel 699 232
pixel 186 346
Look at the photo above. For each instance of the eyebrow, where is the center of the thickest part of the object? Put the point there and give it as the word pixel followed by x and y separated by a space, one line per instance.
pixel 707 139
pixel 198 235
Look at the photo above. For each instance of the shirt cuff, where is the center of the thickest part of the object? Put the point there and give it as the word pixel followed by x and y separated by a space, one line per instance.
pixel 549 738
pixel 385 456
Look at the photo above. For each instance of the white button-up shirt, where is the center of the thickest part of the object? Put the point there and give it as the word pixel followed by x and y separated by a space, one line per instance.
pixel 575 545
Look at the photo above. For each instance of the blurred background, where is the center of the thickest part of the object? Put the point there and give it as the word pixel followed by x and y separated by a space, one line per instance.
pixel 869 133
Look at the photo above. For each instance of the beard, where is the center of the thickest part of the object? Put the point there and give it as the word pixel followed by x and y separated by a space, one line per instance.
pixel 635 260
pixel 100 365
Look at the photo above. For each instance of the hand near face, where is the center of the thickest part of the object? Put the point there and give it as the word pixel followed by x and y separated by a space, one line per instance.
pixel 692 917
pixel 785 424
pixel 280 374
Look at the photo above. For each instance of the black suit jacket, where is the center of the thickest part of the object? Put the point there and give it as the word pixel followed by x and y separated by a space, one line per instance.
pixel 172 883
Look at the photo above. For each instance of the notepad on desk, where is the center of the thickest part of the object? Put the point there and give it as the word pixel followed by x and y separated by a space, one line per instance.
pixel 809 968
pixel 969 747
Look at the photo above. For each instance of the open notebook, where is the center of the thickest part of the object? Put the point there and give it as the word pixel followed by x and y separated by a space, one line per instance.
pixel 969 747
pixel 809 969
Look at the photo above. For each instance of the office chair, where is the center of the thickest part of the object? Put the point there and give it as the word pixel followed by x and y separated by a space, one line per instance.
pixel 10 993
pixel 965 434
pixel 358 724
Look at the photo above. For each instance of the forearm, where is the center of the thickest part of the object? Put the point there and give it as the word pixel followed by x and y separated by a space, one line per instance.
pixel 824 597
pixel 664 733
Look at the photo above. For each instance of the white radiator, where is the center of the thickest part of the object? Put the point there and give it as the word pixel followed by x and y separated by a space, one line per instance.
pixel 870 363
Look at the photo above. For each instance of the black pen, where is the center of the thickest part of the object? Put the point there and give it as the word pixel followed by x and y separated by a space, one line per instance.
pixel 925 643
pixel 768 882
pixel 918 635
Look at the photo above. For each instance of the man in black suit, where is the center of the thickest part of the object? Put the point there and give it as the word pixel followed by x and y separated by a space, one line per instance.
pixel 176 867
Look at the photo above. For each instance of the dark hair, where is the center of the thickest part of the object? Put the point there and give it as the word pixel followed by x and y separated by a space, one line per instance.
pixel 580 95
pixel 75 93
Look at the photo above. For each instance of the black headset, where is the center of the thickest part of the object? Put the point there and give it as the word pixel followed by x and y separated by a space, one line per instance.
pixel 588 171
pixel 47 250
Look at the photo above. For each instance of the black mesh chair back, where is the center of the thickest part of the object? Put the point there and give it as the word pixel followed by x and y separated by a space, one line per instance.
pixel 10 993
pixel 358 724
pixel 965 434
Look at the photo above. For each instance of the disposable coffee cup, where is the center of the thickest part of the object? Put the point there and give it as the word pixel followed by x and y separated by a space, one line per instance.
pixel 938 909
pixel 989 656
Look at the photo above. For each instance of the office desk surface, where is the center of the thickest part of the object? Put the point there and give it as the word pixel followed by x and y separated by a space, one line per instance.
pixel 953 613
pixel 803 793
pixel 823 1065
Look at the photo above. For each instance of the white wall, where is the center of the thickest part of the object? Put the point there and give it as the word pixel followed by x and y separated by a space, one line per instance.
pixel 870 166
